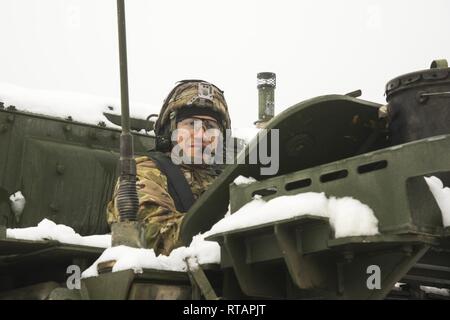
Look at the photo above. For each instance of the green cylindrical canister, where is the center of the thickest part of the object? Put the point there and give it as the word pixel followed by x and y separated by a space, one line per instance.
pixel 419 104
pixel 266 96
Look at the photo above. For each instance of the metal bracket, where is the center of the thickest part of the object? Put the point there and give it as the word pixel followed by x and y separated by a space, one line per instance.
pixel 305 272
pixel 200 279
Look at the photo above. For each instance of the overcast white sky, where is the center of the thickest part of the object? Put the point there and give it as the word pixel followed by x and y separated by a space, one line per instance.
pixel 315 47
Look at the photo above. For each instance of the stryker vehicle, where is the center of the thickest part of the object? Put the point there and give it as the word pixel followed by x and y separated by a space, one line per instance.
pixel 337 144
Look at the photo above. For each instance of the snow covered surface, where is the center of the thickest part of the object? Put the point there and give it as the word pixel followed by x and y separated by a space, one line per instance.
pixel 348 216
pixel 243 180
pixel 438 291
pixel 442 196
pixel 200 251
pixel 433 290
pixel 81 107
pixel 48 230
pixel 18 202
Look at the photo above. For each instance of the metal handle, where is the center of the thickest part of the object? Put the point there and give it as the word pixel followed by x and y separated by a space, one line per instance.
pixel 430 94
pixel 422 97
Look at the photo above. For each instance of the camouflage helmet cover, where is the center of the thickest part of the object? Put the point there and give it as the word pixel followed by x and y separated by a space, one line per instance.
pixel 201 96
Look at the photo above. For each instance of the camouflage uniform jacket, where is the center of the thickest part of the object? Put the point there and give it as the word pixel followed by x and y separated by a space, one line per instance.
pixel 156 206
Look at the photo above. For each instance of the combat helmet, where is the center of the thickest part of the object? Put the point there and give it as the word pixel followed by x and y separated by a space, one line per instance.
pixel 189 98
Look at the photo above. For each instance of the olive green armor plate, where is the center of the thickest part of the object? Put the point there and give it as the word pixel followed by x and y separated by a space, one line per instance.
pixel 66 170
pixel 311 133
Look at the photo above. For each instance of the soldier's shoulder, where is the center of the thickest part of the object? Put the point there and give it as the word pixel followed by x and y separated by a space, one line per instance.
pixel 145 162
pixel 148 170
pixel 146 166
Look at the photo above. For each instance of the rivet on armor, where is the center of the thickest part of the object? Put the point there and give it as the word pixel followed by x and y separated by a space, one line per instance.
pixel 60 169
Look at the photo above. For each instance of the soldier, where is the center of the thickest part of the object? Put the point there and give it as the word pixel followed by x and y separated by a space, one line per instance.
pixel 166 191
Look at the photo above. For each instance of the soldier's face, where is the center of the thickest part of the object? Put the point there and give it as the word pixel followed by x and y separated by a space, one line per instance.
pixel 197 133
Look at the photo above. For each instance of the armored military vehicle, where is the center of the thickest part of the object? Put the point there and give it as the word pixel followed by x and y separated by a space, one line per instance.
pixel 336 144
